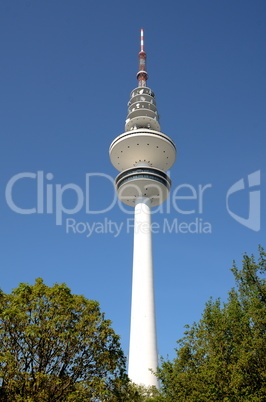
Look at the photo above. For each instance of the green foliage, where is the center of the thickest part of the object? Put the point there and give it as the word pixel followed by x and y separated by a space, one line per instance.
pixel 140 393
pixel 56 346
pixel 223 356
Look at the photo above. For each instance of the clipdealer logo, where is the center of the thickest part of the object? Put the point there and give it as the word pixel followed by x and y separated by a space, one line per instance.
pixel 253 220
pixel 53 198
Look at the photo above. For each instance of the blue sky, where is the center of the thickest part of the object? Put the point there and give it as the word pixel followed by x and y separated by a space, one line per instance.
pixel 66 72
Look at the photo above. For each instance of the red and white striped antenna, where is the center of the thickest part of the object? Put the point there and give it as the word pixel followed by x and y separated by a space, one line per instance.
pixel 142 74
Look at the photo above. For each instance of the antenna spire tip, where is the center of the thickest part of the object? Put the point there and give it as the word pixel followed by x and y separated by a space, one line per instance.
pixel 142 40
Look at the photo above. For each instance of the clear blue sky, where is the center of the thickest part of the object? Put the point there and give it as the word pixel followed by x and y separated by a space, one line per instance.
pixel 66 71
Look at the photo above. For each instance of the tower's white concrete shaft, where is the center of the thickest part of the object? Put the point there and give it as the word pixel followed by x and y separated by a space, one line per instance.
pixel 142 154
pixel 143 353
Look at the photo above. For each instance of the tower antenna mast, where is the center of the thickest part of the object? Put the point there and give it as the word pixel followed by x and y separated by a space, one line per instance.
pixel 142 74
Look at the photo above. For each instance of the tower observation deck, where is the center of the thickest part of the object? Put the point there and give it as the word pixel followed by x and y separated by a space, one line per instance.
pixel 142 154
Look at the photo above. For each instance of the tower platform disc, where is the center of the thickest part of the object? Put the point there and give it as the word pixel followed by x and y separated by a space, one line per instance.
pixel 142 146
pixel 142 182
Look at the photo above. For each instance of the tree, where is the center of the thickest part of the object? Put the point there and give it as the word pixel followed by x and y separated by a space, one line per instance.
pixel 56 346
pixel 223 356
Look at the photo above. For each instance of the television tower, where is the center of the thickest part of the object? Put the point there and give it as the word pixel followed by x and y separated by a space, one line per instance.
pixel 142 154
